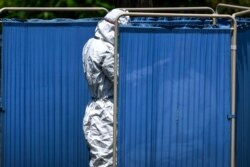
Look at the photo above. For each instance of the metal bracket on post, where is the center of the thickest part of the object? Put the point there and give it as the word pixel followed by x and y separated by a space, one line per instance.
pixel 230 116
pixel 233 47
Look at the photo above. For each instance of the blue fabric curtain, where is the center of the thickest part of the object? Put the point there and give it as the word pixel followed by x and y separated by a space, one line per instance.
pixel 44 92
pixel 243 94
pixel 174 97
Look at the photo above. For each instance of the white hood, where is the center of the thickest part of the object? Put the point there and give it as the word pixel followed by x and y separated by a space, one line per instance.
pixel 105 28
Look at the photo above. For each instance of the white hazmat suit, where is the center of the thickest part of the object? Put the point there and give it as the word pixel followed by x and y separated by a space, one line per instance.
pixel 98 64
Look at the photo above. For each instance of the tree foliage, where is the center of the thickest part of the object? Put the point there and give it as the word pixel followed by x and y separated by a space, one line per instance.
pixel 54 3
pixel 210 3
pixel 100 3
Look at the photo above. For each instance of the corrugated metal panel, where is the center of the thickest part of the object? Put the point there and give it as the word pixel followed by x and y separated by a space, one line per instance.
pixel 1 112
pixel 243 96
pixel 1 139
pixel 44 93
pixel 174 97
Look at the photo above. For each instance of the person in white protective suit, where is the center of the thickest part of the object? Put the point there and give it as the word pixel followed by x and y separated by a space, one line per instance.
pixel 98 64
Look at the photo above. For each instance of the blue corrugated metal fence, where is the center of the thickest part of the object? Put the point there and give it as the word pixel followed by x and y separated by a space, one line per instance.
pixel 174 93
pixel 174 97
pixel 243 95
pixel 44 93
